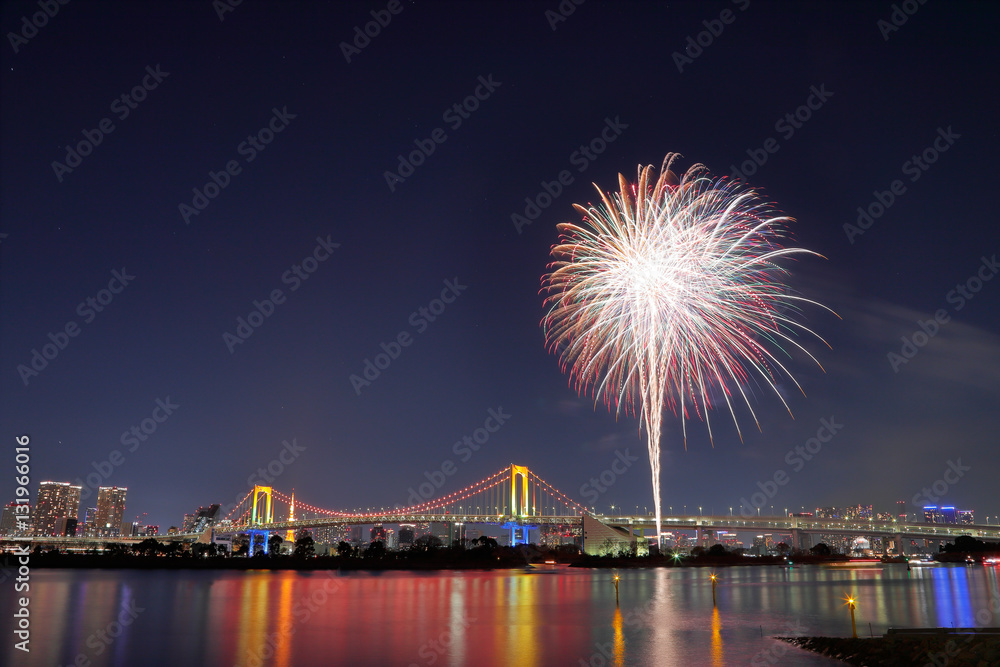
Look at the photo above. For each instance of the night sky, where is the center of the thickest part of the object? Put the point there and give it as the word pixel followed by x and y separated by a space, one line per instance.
pixel 175 280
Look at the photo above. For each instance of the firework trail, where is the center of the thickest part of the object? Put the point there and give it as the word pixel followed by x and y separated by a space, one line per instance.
pixel 671 294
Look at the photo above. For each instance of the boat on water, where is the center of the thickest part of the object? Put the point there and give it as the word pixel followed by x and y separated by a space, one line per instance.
pixel 922 561
pixel 867 563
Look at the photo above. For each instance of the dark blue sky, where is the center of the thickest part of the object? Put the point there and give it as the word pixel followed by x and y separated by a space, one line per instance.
pixel 888 95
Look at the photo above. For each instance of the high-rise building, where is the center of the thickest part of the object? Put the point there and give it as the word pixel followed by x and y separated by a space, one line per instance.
pixel 110 511
pixel 901 510
pixel 406 535
pixel 377 533
pixel 56 500
pixel 202 518
pixel 21 515
pixel 8 523
pixel 89 522
pixel 966 517
pixel 949 514
pixel 858 512
pixel 66 526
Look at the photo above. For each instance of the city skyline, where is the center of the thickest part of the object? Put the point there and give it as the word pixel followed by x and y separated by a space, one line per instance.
pixel 107 520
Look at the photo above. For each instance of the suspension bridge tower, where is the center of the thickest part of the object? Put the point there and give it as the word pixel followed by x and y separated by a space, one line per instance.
pixel 262 512
pixel 290 535
pixel 520 505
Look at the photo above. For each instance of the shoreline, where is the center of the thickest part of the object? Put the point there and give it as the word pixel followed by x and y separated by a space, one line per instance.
pixel 925 646
pixel 426 562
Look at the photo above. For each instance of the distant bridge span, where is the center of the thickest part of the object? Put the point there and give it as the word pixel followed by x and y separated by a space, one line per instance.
pixel 517 497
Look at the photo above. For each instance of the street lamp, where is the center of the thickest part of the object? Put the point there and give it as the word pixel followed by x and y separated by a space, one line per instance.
pixel 851 603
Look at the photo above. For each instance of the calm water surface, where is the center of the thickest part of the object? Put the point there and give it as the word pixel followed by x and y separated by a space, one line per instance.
pixel 541 617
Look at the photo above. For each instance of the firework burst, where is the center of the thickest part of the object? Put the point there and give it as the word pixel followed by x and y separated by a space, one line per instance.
pixel 670 293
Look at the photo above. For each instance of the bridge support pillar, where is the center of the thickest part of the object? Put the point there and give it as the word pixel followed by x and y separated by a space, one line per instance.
pixel 900 545
pixel 252 535
pixel 796 539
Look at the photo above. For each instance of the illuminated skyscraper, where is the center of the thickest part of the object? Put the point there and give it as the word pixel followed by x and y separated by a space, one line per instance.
pixel 8 524
pixel 56 500
pixel 110 511
pixel 89 522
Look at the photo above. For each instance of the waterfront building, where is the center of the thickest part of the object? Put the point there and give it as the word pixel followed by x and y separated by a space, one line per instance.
pixel 110 511
pixel 55 500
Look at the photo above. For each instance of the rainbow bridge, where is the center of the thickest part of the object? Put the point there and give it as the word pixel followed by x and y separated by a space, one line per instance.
pixel 518 499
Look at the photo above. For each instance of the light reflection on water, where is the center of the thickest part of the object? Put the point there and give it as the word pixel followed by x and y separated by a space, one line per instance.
pixel 553 617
